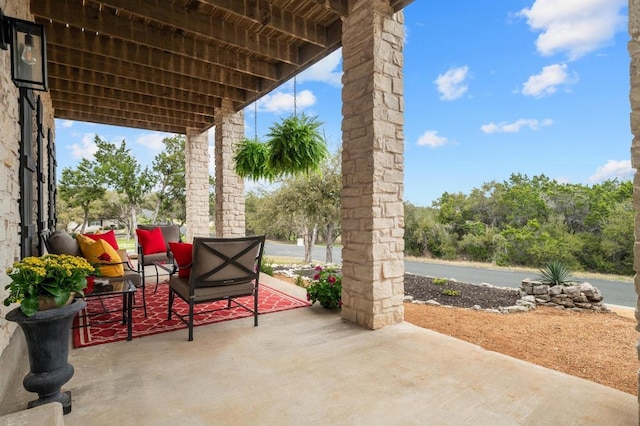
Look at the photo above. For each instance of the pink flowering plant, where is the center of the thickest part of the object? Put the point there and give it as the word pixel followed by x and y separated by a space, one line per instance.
pixel 326 287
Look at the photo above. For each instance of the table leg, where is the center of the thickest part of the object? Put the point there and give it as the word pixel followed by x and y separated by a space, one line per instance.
pixel 124 308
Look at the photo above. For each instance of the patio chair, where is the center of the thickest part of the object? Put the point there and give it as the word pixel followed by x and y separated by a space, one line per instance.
pixel 153 247
pixel 222 268
pixel 61 242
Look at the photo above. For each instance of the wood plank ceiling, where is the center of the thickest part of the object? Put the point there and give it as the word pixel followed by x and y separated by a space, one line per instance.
pixel 166 65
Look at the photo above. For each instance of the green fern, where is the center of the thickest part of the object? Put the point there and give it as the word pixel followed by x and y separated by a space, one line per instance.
pixel 296 146
pixel 251 159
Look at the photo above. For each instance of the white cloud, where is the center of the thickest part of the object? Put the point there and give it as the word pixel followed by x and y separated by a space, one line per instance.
pixel 152 140
pixel 547 82
pixel 516 126
pixel 85 149
pixel 327 70
pixel 452 84
pixel 613 169
pixel 279 102
pixel 576 27
pixel 66 123
pixel 431 139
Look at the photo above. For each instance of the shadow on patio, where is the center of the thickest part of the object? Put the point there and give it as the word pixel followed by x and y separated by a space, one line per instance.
pixel 306 366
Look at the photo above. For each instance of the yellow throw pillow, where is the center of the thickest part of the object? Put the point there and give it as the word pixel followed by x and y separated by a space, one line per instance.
pixel 101 252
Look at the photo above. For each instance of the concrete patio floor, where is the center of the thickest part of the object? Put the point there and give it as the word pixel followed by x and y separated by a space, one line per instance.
pixel 306 366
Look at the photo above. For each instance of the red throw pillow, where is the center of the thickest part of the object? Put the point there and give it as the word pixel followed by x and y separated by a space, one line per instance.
pixel 183 254
pixel 151 241
pixel 109 237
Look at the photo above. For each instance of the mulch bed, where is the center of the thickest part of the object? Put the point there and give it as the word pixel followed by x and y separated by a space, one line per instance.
pixel 466 295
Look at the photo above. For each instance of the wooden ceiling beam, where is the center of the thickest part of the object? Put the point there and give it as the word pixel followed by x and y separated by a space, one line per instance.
pixel 66 84
pixel 106 22
pixel 187 121
pixel 339 7
pixel 99 66
pixel 193 22
pixel 122 122
pixel 188 112
pixel 158 87
pixel 72 41
pixel 265 14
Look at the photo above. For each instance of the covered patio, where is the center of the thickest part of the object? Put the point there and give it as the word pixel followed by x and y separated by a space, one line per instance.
pixel 307 366
pixel 184 66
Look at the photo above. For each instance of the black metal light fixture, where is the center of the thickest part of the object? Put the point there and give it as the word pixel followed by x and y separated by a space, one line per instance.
pixel 28 51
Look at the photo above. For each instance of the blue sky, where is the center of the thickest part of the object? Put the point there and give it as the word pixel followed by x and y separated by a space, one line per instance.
pixel 491 88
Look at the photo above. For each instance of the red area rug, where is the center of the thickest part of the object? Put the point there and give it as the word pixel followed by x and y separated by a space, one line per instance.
pixel 269 300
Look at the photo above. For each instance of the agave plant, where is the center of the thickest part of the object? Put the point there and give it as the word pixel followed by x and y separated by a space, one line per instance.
pixel 555 273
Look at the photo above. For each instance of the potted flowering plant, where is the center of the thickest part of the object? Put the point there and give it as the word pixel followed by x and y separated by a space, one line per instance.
pixel 46 329
pixel 53 276
pixel 326 288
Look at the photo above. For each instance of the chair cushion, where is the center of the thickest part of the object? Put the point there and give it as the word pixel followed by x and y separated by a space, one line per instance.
pixel 151 241
pixel 61 242
pixel 109 237
pixel 150 259
pixel 183 254
pixel 205 294
pixel 99 252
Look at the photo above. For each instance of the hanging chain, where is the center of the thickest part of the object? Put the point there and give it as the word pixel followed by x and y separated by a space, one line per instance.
pixel 255 118
pixel 295 98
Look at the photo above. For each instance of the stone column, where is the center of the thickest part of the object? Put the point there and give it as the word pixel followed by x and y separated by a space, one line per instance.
pixel 372 165
pixel 230 219
pixel 197 184
pixel 634 97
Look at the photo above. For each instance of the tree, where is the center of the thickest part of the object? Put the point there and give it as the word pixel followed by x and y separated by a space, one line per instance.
pixel 81 187
pixel 122 172
pixel 169 171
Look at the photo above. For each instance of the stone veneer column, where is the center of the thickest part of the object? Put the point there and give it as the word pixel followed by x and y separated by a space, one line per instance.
pixel 230 219
pixel 634 97
pixel 372 165
pixel 197 184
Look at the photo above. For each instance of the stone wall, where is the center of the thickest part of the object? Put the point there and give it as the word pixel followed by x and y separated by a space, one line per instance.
pixel 197 184
pixel 577 296
pixel 372 165
pixel 10 165
pixel 230 216
pixel 634 98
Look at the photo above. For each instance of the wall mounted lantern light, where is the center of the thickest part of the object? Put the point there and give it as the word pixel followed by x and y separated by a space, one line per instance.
pixel 28 51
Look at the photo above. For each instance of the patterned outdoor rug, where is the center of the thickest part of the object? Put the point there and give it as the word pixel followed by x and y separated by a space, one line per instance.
pixel 269 300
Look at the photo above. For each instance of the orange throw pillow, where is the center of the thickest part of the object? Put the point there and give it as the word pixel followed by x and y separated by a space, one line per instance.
pixel 183 254
pixel 100 252
pixel 151 241
pixel 109 237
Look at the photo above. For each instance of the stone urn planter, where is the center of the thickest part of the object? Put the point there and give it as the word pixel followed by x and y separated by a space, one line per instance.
pixel 47 335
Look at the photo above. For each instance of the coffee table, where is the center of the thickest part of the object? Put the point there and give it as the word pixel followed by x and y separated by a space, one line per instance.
pixel 124 288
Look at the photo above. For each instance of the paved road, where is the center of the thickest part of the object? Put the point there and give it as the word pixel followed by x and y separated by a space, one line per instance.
pixel 615 292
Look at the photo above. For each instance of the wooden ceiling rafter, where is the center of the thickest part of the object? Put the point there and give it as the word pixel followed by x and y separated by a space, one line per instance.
pixel 166 65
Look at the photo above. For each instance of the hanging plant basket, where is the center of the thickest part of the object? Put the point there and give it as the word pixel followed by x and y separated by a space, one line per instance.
pixel 251 159
pixel 296 146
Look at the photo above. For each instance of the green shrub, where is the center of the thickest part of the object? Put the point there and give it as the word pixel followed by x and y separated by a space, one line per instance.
pixel 440 281
pixel 450 292
pixel 266 267
pixel 299 281
pixel 555 273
